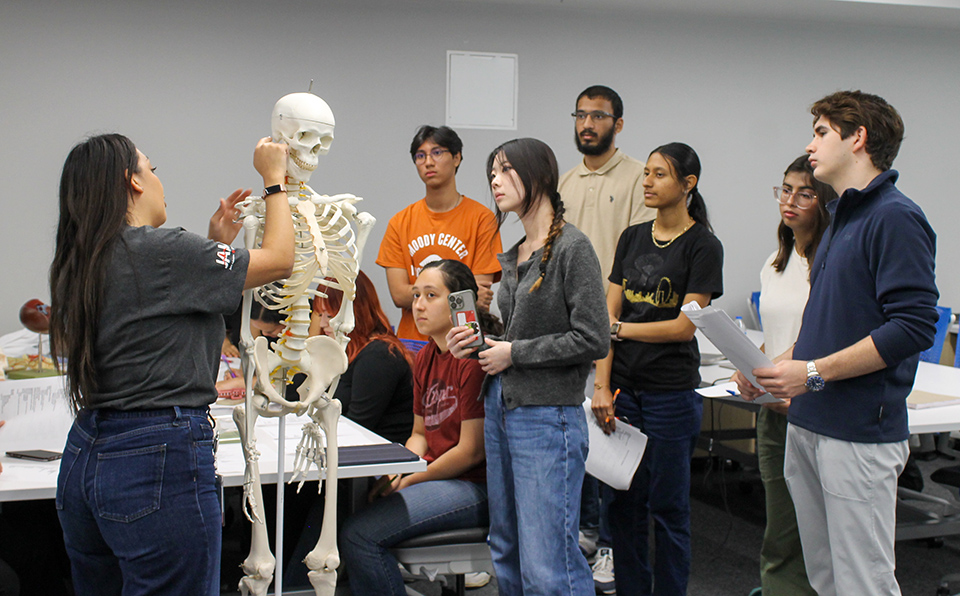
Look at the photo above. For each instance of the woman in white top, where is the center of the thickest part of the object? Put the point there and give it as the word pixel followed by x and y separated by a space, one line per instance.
pixel 784 287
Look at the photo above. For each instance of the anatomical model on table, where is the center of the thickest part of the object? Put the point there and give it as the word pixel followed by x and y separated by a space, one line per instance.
pixel 326 247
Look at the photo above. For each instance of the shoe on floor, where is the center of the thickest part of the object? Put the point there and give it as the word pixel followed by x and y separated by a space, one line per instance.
pixel 756 592
pixel 588 542
pixel 603 580
pixel 476 580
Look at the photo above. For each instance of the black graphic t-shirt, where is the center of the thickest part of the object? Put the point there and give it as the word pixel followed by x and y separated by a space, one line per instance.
pixel 654 282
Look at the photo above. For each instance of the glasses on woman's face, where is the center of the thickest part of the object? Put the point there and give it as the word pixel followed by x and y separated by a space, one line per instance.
pixel 436 153
pixel 802 199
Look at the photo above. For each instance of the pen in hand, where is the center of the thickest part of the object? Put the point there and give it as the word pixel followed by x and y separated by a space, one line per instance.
pixel 615 394
pixel 223 358
pixel 385 487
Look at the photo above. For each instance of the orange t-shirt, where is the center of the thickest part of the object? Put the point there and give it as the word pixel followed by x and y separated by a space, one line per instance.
pixel 417 236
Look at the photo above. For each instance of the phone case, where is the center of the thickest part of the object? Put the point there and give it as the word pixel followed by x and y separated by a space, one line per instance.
pixel 463 312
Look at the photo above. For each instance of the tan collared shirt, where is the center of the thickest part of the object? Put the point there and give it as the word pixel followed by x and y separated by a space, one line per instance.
pixel 603 203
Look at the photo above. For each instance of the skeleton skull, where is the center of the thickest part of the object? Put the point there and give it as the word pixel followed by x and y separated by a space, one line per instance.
pixel 305 122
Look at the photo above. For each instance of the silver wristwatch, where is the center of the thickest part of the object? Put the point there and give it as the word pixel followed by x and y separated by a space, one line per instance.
pixel 615 331
pixel 814 381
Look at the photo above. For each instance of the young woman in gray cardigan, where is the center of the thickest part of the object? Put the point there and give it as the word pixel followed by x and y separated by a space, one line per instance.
pixel 552 303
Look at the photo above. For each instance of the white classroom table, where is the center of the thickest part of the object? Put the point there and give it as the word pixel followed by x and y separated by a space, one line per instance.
pixel 933 378
pixel 39 417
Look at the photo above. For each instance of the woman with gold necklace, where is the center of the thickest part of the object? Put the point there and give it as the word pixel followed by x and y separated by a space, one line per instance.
pixel 648 378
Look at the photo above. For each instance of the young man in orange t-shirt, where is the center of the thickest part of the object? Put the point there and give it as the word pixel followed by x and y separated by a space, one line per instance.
pixel 442 225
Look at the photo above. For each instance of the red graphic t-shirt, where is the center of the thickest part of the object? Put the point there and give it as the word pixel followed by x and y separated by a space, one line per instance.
pixel 446 391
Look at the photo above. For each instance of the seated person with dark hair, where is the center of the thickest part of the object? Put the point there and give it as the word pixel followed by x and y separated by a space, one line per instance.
pixel 376 392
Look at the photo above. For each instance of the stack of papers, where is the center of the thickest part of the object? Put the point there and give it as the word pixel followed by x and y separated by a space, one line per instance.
pixel 613 459
pixel 728 338
pixel 730 392
pixel 921 400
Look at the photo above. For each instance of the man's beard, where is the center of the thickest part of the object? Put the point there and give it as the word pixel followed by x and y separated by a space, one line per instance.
pixel 599 148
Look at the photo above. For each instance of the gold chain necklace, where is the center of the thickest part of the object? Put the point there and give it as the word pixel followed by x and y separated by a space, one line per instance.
pixel 653 231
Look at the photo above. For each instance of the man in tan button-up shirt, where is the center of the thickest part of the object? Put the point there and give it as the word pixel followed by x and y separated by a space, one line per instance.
pixel 603 194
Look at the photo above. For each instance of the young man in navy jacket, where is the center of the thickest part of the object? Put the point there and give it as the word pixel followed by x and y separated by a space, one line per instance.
pixel 871 311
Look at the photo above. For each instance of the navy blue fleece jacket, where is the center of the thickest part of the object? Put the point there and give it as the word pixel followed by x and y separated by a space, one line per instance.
pixel 873 275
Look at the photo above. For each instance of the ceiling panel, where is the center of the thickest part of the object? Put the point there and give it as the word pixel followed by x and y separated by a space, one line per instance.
pixel 911 13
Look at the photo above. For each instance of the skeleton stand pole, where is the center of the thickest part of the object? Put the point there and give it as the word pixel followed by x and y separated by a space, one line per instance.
pixel 278 538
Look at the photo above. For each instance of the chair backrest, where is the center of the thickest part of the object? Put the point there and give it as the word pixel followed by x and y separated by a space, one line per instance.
pixel 753 300
pixel 956 358
pixel 932 354
pixel 414 345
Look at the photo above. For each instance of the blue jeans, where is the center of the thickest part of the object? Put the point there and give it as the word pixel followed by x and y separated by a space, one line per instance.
pixel 661 488
pixel 594 508
pixel 535 466
pixel 137 500
pixel 419 509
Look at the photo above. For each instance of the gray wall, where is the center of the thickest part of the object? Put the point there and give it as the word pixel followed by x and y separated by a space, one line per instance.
pixel 193 84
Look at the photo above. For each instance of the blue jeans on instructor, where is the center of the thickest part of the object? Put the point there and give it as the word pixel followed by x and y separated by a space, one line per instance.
pixel 660 488
pixel 419 509
pixel 535 466
pixel 137 499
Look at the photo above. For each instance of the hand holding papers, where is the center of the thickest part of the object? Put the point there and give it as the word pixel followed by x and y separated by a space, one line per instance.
pixel 730 340
pixel 729 392
pixel 613 458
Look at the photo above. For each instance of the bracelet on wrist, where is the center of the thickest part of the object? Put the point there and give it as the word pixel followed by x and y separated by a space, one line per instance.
pixel 272 190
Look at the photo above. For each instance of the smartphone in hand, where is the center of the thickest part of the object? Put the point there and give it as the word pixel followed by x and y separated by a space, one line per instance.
pixel 463 312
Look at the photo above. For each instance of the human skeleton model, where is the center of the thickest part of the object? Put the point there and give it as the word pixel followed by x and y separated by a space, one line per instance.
pixel 326 246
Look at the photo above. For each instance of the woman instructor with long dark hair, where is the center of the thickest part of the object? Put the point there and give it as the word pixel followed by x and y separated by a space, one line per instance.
pixel 136 313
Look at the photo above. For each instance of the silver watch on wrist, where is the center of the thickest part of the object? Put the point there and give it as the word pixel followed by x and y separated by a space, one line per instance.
pixel 615 331
pixel 814 381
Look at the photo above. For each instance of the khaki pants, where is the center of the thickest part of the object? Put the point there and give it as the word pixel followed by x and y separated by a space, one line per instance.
pixel 846 496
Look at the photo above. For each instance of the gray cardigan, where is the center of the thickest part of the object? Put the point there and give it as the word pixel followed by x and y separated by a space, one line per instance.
pixel 559 329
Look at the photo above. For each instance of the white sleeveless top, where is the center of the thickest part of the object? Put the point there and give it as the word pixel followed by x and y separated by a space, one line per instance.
pixel 783 297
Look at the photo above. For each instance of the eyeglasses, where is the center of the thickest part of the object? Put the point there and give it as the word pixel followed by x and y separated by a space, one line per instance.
pixel 436 153
pixel 803 199
pixel 596 115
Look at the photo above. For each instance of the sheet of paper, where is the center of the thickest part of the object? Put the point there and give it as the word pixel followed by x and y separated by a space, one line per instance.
pixel 729 392
pixel 37 412
pixel 613 459
pixel 728 338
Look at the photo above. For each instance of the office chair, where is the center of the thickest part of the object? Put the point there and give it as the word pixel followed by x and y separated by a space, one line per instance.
pixel 948 476
pixel 753 304
pixel 930 444
pixel 452 552
pixel 933 353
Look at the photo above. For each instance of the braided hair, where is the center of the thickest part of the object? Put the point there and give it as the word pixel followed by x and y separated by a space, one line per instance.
pixel 556 227
pixel 536 166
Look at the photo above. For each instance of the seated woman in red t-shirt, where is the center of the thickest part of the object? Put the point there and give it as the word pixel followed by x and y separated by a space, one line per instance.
pixel 447 432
